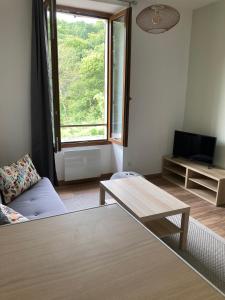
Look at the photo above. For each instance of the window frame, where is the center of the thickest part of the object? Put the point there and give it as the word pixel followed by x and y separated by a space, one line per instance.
pixel 52 37
pixel 99 15
pixel 127 13
pixel 109 17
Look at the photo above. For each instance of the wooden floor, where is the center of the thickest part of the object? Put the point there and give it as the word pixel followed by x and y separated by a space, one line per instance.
pixel 75 196
pixel 206 213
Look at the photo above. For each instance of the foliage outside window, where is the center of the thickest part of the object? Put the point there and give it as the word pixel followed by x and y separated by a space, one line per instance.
pixel 89 62
pixel 82 77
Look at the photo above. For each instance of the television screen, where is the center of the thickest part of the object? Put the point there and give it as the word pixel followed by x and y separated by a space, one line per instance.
pixel 194 146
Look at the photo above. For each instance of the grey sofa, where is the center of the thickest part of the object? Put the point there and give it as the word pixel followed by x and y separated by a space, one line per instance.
pixel 40 201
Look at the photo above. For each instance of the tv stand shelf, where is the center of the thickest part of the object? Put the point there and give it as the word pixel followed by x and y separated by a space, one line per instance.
pixel 199 179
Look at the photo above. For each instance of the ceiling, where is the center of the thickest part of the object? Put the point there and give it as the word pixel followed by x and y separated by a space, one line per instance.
pixel 191 4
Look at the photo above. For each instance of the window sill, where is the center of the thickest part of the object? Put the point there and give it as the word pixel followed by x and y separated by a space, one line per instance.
pixel 85 144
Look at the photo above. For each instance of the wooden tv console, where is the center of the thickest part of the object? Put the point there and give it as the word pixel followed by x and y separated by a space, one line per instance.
pixel 207 183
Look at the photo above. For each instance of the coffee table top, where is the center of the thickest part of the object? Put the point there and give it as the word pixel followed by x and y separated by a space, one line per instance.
pixel 143 199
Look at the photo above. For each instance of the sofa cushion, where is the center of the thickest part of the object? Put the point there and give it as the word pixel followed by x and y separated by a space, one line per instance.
pixel 10 216
pixel 17 178
pixel 39 202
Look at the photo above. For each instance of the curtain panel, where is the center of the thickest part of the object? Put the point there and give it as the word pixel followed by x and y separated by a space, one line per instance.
pixel 41 102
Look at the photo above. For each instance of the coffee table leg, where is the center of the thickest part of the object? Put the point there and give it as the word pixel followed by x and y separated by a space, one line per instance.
pixel 102 196
pixel 184 228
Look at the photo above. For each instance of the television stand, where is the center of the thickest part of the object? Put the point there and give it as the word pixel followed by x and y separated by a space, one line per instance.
pixel 197 178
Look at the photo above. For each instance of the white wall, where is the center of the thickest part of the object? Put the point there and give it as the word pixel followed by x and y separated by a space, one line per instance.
pixel 158 88
pixel 205 109
pixel 15 37
pixel 159 71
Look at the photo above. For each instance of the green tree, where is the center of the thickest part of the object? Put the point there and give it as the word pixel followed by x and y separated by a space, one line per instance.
pixel 81 48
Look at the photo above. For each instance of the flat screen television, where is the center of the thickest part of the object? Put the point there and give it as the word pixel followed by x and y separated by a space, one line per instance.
pixel 194 147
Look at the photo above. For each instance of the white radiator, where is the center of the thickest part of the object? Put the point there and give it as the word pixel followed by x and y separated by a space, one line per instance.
pixel 81 164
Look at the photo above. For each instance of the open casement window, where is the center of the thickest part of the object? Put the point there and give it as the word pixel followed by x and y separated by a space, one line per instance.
pixel 119 76
pixel 115 77
pixel 51 32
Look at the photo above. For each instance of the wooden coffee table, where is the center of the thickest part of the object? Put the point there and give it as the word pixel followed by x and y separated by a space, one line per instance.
pixel 149 204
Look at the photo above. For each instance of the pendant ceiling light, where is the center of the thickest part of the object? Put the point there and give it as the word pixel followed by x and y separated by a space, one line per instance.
pixel 158 18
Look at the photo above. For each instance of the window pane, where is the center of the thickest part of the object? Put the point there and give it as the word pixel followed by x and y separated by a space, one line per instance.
pixel 82 71
pixel 77 134
pixel 118 41
pixel 49 52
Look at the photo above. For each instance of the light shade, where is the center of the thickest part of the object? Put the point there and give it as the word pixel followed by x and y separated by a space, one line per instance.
pixel 158 18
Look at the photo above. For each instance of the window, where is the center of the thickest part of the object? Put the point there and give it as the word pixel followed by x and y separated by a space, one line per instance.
pixel 51 30
pixel 120 76
pixel 83 60
pixel 92 69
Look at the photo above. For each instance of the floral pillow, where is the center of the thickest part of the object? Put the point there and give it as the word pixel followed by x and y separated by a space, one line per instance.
pixel 10 216
pixel 17 178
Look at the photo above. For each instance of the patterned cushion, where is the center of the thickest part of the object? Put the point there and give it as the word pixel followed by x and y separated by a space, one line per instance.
pixel 17 178
pixel 10 216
